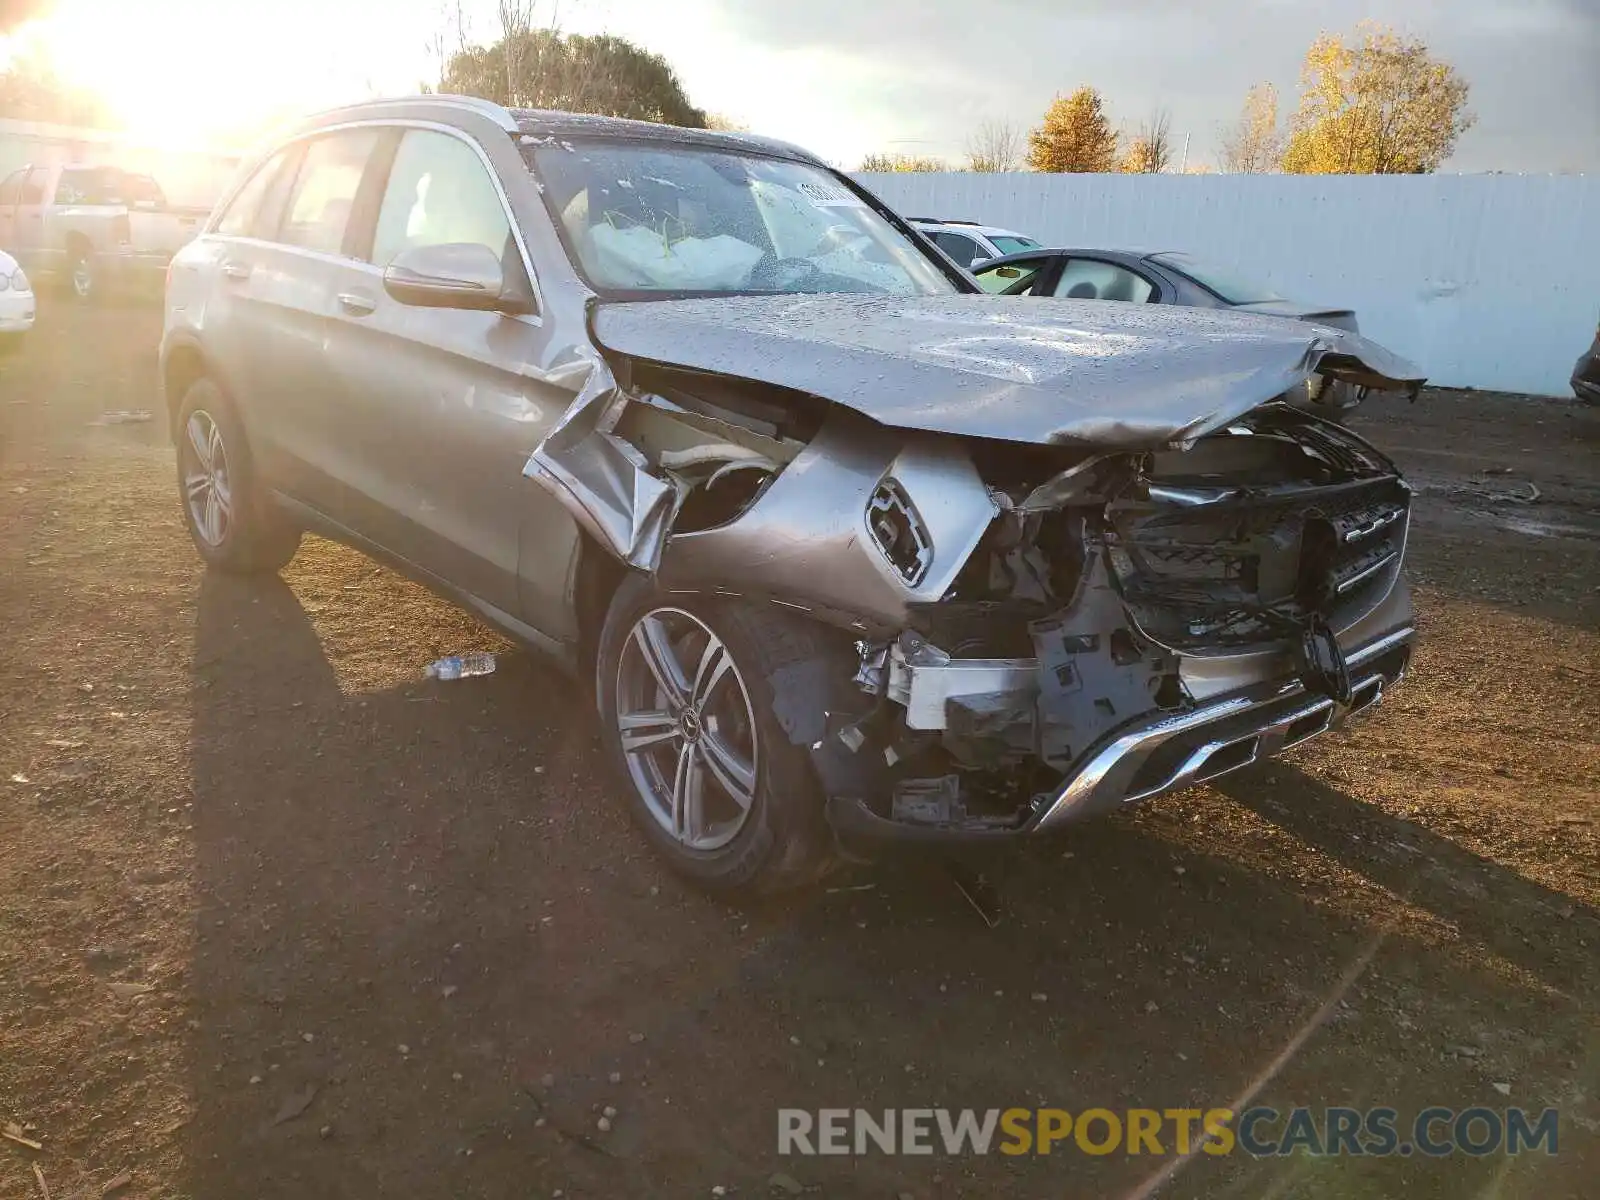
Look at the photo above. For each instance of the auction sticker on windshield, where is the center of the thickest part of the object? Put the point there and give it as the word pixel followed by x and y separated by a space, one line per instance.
pixel 825 195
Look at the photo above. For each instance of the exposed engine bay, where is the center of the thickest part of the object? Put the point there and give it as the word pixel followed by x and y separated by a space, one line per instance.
pixel 1016 619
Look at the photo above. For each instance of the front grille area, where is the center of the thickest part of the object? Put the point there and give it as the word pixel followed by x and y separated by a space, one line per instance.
pixel 1252 565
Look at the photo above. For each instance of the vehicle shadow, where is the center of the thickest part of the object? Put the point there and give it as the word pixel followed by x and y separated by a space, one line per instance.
pixel 430 953
pixel 1543 932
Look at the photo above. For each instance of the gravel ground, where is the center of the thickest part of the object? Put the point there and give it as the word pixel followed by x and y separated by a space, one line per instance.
pixel 280 918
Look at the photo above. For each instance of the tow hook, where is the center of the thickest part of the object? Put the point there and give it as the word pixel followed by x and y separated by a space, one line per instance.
pixel 1323 667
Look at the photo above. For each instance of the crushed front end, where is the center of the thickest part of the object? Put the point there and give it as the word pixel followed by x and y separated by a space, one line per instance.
pixel 1045 600
pixel 1130 624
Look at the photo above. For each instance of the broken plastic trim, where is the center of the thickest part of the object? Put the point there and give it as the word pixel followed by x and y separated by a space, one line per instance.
pixel 602 480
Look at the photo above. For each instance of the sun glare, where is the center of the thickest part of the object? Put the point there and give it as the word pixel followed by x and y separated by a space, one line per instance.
pixel 178 71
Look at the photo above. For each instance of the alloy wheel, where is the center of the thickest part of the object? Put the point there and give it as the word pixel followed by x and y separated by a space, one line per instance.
pixel 206 485
pixel 687 728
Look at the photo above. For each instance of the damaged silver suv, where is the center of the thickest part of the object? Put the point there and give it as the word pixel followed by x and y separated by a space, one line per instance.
pixel 850 550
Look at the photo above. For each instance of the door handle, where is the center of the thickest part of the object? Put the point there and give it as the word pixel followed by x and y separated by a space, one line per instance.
pixel 356 304
pixel 234 270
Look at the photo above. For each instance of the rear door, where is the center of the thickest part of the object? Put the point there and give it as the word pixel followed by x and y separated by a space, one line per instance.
pixel 439 409
pixel 236 318
pixel 289 279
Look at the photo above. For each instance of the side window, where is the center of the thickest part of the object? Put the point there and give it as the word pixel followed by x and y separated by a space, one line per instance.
pixel 959 247
pixel 325 190
pixel 90 185
pixel 11 188
pixel 239 218
pixel 439 192
pixel 1091 279
pixel 1010 279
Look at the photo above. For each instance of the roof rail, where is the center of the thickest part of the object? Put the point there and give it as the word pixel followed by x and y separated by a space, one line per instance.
pixel 497 113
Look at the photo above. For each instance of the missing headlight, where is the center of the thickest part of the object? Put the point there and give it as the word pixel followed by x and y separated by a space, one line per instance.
pixel 898 530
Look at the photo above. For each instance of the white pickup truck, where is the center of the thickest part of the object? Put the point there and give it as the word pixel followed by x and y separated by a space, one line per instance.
pixel 89 225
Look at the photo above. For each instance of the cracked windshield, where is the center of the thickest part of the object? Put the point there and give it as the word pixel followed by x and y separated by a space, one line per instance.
pixel 640 219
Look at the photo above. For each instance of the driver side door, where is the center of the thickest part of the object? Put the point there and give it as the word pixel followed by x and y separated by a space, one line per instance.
pixel 438 409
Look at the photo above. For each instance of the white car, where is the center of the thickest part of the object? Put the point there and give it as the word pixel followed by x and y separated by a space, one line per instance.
pixel 970 243
pixel 16 300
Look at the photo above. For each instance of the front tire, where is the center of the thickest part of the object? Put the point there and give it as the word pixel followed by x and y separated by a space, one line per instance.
pixel 233 522
pixel 685 687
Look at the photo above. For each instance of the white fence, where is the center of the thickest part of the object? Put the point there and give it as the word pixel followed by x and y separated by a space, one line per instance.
pixel 1486 281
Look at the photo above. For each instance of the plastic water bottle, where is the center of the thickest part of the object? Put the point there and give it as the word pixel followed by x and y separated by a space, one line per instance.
pixel 460 666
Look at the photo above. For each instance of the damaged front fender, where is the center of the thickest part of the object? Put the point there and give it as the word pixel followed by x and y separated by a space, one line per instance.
pixel 603 480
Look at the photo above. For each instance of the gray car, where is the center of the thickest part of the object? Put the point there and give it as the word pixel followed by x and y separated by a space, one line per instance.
pixel 849 551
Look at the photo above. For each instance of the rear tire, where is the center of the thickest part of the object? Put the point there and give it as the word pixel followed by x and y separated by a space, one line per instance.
pixel 233 521
pixel 721 736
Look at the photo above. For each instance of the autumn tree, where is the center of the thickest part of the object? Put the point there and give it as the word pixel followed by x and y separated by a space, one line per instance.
pixel 1150 151
pixel 723 123
pixel 541 68
pixel 995 146
pixel 889 164
pixel 1254 146
pixel 1384 106
pixel 1075 136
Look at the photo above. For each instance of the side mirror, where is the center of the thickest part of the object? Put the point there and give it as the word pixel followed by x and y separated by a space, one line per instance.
pixel 455 275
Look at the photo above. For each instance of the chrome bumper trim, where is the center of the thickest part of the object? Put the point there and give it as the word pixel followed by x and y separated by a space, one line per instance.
pixel 1217 756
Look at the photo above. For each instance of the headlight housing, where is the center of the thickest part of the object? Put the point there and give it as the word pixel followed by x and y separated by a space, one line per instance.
pixel 898 531
pixel 19 280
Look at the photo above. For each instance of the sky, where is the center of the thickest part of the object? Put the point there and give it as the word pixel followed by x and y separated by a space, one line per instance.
pixel 849 77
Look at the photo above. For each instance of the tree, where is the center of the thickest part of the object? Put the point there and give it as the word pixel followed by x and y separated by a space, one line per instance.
pixel 1075 136
pixel 888 164
pixel 725 123
pixel 545 69
pixel 30 90
pixel 1383 107
pixel 1150 152
pixel 1254 146
pixel 994 147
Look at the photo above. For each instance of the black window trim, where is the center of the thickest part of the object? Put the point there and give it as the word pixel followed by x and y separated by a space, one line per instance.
pixel 941 262
pixel 381 168
pixel 342 255
pixel 301 139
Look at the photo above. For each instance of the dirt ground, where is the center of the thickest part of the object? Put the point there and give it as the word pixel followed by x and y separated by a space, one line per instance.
pixel 280 918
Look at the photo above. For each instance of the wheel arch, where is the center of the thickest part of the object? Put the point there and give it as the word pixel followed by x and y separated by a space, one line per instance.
pixel 182 367
pixel 596 577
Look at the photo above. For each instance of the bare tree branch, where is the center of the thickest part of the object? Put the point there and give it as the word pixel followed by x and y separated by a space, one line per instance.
pixel 1150 151
pixel 996 145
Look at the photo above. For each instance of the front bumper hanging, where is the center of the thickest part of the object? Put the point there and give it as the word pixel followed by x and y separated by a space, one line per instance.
pixel 1170 751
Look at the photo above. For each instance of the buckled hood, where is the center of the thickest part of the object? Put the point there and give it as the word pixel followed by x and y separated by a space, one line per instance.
pixel 1096 373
